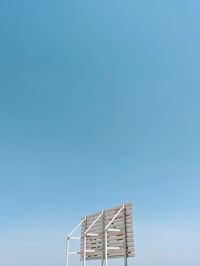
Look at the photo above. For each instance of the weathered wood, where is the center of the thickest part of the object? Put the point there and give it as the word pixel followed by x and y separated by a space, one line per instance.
pixel 109 212
pixel 121 241
pixel 108 215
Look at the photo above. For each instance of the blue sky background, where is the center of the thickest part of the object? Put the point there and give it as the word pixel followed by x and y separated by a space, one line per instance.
pixel 99 104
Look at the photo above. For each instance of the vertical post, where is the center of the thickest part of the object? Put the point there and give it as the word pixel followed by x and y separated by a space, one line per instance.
pixel 125 237
pixel 67 252
pixel 103 243
pixel 84 251
pixel 84 243
pixel 106 245
pixel 102 262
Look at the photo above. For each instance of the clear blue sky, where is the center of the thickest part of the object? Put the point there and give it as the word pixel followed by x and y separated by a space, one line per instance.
pixel 99 104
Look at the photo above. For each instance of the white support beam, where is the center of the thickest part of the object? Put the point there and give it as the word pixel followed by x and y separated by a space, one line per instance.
pixel 74 238
pixel 73 252
pixel 93 223
pixel 90 250
pixel 76 227
pixel 113 230
pixel 115 216
pixel 70 237
pixel 106 248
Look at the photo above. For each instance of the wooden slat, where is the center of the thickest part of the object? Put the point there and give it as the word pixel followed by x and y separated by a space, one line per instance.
pixel 108 215
pixel 117 251
pixel 110 240
pixel 128 205
pixel 112 235
pixel 91 245
pixel 110 212
pixel 100 246
pixel 115 225
pixel 99 231
pixel 96 227
pixel 108 219
pixel 115 222
pixel 111 254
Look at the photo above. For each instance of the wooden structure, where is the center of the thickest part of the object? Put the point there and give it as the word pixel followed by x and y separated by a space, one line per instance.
pixel 106 234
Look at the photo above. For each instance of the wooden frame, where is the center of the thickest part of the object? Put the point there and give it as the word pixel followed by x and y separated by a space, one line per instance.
pixel 104 235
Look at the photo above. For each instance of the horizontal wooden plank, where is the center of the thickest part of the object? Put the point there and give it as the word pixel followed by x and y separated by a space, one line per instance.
pixel 115 224
pixel 106 220
pixel 100 231
pixel 116 240
pixel 110 239
pixel 113 242
pixel 109 251
pixel 118 256
pixel 103 224
pixel 110 211
pixel 107 214
pixel 111 254
pixel 130 253
pixel 101 246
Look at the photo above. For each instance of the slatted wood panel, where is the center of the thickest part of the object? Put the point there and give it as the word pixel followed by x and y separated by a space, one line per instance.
pixel 122 239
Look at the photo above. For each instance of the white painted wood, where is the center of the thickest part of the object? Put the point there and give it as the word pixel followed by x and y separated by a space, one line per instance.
pixel 73 253
pixel 113 230
pixel 74 237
